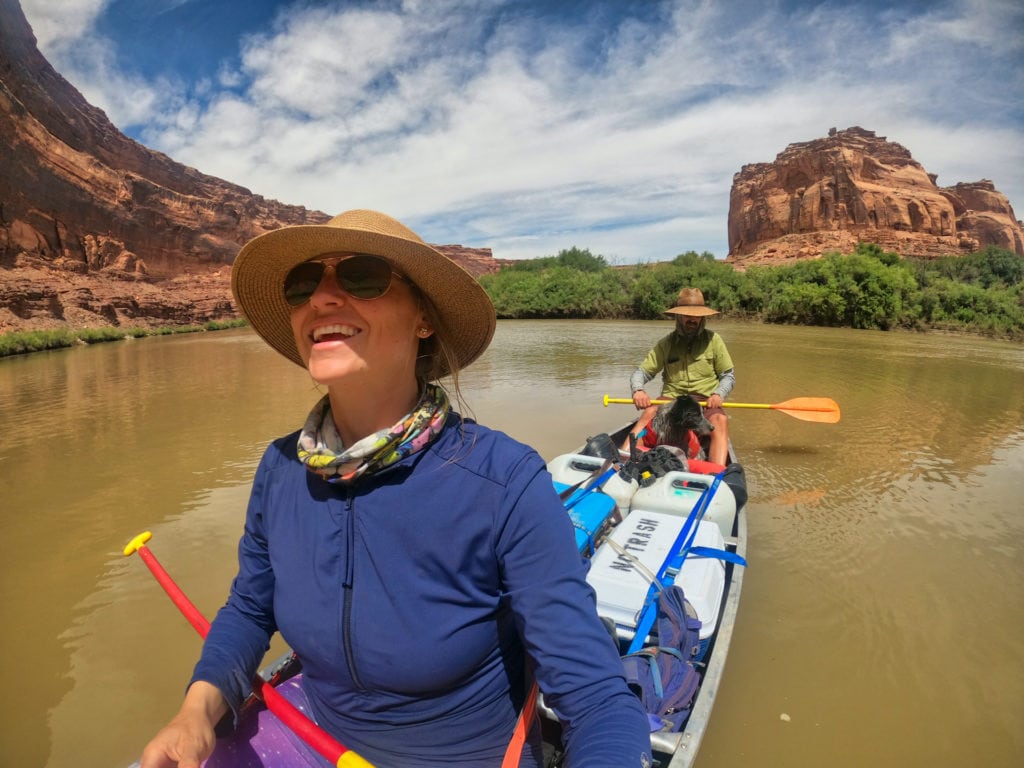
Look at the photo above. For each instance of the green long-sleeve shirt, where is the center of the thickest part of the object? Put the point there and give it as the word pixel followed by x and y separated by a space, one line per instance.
pixel 688 366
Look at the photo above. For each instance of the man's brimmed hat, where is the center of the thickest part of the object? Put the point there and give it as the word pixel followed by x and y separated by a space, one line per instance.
pixel 691 303
pixel 257 278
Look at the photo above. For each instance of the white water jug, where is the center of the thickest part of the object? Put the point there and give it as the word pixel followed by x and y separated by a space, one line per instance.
pixel 570 468
pixel 677 492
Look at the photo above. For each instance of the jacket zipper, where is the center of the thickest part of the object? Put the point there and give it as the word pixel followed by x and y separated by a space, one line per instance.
pixel 346 588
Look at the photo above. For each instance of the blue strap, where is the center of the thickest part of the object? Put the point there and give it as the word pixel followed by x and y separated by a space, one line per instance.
pixel 678 552
pixel 719 554
pixel 659 689
pixel 650 656
pixel 577 497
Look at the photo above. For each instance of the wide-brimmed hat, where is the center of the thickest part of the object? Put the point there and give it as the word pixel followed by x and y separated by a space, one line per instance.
pixel 691 303
pixel 257 278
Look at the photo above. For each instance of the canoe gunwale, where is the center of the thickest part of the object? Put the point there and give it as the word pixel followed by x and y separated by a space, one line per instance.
pixel 688 742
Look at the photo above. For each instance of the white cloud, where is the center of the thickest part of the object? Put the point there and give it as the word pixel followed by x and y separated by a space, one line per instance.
pixel 59 23
pixel 64 32
pixel 510 131
pixel 323 60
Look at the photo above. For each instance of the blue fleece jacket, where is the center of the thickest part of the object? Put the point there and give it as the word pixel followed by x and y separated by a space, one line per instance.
pixel 410 597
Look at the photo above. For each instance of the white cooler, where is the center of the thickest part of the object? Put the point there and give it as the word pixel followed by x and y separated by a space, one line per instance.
pixel 648 536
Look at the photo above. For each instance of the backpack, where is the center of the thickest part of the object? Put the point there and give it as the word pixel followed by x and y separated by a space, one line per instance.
pixel 677 623
pixel 663 676
pixel 652 464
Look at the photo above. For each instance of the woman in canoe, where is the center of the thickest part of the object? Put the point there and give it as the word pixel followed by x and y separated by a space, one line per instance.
pixel 420 565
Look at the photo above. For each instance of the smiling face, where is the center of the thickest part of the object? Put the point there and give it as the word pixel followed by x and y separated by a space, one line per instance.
pixel 352 342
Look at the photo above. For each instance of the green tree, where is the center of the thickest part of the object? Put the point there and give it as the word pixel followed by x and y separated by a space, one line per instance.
pixel 581 259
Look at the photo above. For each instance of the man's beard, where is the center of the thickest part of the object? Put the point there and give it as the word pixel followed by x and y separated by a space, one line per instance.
pixel 689 331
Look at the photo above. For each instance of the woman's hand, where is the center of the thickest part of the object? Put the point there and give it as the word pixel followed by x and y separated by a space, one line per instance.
pixel 189 738
pixel 714 401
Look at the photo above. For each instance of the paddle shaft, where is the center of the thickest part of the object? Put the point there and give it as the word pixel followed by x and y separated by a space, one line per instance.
pixel 526 717
pixel 774 406
pixel 337 753
pixel 820 409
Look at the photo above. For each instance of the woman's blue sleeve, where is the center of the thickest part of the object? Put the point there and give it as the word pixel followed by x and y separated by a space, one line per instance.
pixel 577 663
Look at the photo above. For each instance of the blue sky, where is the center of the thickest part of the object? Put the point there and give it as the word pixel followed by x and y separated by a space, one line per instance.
pixel 529 127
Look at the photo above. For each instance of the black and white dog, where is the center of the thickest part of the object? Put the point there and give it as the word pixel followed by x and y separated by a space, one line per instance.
pixel 674 421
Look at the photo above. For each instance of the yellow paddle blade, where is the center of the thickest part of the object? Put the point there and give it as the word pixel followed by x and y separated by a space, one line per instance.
pixel 823 410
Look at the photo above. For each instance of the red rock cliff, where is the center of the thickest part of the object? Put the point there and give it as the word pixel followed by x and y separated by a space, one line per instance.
pixel 829 194
pixel 96 229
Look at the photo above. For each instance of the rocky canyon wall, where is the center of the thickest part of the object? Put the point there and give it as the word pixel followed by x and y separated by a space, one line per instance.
pixel 853 186
pixel 96 229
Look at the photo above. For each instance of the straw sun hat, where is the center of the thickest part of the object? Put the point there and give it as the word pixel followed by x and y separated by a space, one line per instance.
pixel 691 302
pixel 257 278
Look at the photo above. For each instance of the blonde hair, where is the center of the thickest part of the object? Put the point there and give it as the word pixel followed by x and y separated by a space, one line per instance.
pixel 436 356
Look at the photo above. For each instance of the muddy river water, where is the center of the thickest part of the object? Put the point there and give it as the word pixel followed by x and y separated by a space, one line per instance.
pixel 882 619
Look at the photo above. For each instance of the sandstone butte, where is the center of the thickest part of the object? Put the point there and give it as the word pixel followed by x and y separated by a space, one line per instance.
pixel 97 230
pixel 829 194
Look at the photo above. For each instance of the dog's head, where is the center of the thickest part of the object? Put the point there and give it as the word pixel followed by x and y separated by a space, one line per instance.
pixel 673 420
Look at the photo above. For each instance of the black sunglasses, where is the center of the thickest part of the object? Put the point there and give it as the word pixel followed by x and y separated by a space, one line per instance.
pixel 361 276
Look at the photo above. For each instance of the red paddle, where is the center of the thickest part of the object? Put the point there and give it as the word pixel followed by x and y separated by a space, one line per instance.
pixel 302 726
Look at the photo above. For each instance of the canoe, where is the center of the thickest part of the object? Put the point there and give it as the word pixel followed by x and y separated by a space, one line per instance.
pixel 673 494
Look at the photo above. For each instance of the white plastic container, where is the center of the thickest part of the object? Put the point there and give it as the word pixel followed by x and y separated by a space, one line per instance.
pixel 648 537
pixel 570 468
pixel 676 493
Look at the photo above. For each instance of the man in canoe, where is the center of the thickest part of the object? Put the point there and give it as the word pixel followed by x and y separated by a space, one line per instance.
pixel 420 565
pixel 694 362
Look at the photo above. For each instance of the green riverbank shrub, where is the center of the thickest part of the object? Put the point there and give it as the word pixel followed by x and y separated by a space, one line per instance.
pixel 23 342
pixel 981 292
pixel 868 289
pixel 556 291
pixel 863 290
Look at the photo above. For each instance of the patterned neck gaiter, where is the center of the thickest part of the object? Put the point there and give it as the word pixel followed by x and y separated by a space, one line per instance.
pixel 321 449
